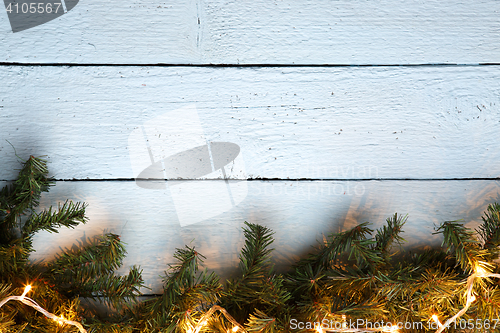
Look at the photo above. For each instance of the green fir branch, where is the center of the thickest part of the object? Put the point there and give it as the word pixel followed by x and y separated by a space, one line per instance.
pixel 68 215
pixel 460 240
pixel 185 295
pixel 110 289
pixel 89 272
pixel 258 289
pixel 9 217
pixel 259 322
pixel 255 265
pixel 13 258
pixel 184 273
pixel 55 286
pixel 389 234
pixel 32 181
pixel 352 276
pixel 306 280
pixel 366 310
pixel 104 327
pixel 102 257
pixel 489 230
pixel 255 258
pixel 356 243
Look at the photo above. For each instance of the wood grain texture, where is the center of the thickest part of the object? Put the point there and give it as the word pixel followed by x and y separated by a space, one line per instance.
pixel 351 32
pixel 299 212
pixel 342 125
pixel 262 32
pixel 108 32
pixel 321 123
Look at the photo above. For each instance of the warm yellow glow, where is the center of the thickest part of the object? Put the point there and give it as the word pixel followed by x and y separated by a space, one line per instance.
pixel 26 290
pixel 235 329
pixel 61 320
pixel 436 319
pixel 473 298
pixel 344 324
pixel 392 329
pixel 319 329
pixel 480 271
pixel 203 323
pixel 189 330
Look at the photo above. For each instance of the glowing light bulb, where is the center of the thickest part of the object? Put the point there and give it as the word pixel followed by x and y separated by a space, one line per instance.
pixel 473 298
pixel 26 290
pixel 235 329
pixel 436 319
pixel 319 329
pixel 481 271
pixel 189 330
pixel 60 320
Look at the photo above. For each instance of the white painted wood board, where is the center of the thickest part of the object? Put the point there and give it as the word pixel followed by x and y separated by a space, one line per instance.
pixel 300 213
pixel 108 32
pixel 330 123
pixel 351 32
pixel 290 123
pixel 262 32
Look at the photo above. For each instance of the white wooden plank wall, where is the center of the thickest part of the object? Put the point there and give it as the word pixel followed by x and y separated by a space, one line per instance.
pixel 262 32
pixel 323 143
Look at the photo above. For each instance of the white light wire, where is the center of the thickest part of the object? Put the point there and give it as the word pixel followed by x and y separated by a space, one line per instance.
pixel 34 305
pixel 208 314
pixel 480 273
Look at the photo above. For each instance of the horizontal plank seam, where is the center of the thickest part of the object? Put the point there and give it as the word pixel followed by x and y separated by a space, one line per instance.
pixel 265 179
pixel 241 65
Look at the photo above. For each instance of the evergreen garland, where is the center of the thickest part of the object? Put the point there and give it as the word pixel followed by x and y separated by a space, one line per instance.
pixel 57 286
pixel 354 276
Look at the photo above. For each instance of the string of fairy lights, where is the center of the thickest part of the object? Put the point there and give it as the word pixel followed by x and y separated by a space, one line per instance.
pixel 479 272
pixel 28 301
pixel 204 319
